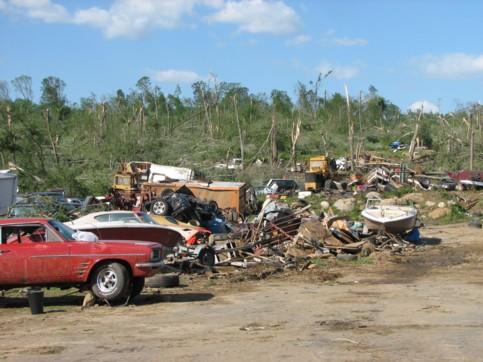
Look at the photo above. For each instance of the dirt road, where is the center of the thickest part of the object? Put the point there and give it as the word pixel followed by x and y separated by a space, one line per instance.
pixel 423 305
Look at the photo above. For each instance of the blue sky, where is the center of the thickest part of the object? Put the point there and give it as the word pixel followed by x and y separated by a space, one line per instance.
pixel 411 51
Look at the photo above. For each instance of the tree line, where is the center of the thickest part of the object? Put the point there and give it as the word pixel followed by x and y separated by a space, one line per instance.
pixel 58 144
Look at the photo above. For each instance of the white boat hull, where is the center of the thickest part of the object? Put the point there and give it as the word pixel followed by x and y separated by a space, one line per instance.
pixel 390 218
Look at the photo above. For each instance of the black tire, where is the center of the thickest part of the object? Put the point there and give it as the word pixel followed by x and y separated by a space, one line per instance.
pixel 162 281
pixel 207 256
pixel 166 193
pixel 301 203
pixel 111 282
pixel 160 207
pixel 213 206
pixel 137 286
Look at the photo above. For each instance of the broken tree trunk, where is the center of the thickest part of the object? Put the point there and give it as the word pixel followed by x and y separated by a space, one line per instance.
pixel 351 128
pixel 53 141
pixel 273 139
pixel 294 137
pixel 240 134
pixel 415 135
pixel 472 141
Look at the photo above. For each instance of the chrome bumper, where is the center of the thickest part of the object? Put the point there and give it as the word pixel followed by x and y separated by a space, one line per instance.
pixel 154 264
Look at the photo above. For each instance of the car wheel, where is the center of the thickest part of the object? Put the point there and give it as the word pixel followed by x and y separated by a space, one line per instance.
pixel 162 281
pixel 110 281
pixel 167 192
pixel 160 207
pixel 206 256
pixel 213 206
pixel 137 286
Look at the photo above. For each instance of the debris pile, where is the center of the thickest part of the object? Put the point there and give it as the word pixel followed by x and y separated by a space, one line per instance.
pixel 285 235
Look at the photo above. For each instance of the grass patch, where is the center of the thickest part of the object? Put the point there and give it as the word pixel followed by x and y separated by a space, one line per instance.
pixel 365 260
pixel 318 262
pixel 210 283
pixel 400 192
pixel 457 214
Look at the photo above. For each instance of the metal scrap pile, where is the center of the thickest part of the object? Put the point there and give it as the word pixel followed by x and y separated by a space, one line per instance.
pixel 284 235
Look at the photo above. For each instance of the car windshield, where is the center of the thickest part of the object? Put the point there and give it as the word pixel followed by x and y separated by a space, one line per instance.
pixel 62 229
pixel 123 216
pixel 285 184
pixel 146 218
pixel 24 210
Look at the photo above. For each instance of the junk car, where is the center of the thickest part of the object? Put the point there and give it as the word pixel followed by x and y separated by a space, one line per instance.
pixel 43 252
pixel 445 184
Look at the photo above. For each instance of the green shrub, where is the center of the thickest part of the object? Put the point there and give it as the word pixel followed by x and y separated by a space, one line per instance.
pixel 457 214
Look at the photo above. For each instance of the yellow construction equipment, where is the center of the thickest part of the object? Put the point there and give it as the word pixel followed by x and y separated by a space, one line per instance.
pixel 318 173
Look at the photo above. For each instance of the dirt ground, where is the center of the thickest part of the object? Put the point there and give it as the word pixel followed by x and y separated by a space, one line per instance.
pixel 423 304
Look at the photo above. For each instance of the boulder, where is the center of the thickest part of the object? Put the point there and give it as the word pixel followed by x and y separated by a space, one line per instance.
pixel 346 205
pixel 414 197
pixel 373 195
pixel 439 213
pixel 393 201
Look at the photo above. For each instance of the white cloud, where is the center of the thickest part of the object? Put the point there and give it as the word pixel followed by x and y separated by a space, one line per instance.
pixel 134 19
pixel 299 40
pixel 259 16
pixel 423 106
pixel 348 42
pixel 330 40
pixel 339 71
pixel 44 10
pixel 450 66
pixel 177 76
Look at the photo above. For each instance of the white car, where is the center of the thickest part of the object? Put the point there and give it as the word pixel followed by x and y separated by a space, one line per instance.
pixel 263 190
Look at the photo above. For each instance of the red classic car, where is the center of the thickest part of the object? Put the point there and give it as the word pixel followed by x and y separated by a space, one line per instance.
pixel 42 252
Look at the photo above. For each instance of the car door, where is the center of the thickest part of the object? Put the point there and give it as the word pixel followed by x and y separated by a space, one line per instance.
pixel 10 270
pixel 34 254
pixel 47 260
pixel 12 264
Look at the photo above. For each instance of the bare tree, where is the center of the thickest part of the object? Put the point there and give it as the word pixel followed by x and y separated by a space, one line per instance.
pixel 4 90
pixel 240 134
pixel 294 137
pixel 351 128
pixel 23 85
pixel 215 93
pixel 412 146
pixel 54 141
pixel 273 140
